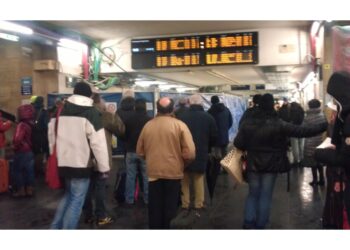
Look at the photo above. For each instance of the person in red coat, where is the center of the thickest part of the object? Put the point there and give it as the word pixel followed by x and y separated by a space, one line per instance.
pixel 24 159
pixel 4 126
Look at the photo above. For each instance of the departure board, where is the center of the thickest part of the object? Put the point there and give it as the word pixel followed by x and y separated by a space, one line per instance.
pixel 195 50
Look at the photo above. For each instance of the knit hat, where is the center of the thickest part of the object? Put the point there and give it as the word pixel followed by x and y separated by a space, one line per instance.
pixel 82 88
pixel 266 103
pixel 215 99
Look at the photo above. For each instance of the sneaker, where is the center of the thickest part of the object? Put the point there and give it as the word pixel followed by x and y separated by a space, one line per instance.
pixel 105 221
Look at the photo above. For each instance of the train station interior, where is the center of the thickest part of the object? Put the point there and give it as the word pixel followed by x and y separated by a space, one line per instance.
pixel 154 57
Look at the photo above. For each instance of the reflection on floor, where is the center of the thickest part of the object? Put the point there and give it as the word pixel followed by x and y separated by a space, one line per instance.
pixel 301 208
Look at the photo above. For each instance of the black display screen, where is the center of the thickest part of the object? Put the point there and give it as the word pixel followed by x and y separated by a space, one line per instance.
pixel 201 50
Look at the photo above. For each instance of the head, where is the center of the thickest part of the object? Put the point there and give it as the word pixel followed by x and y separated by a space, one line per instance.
pixel 339 88
pixel 39 102
pixel 266 103
pixel 140 105
pixel 196 100
pixel 285 100
pixel 32 99
pixel 127 103
pixel 83 89
pixel 214 99
pixel 183 101
pixel 314 104
pixel 256 99
pixel 165 105
pixel 98 101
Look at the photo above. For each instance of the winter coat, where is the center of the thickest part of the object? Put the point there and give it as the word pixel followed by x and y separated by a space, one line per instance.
pixel 180 110
pixel 80 132
pixel 264 137
pixel 167 145
pixel 339 88
pixel 204 132
pixel 223 119
pixel 248 114
pixel 313 117
pixel 4 126
pixel 133 127
pixel 22 138
pixel 113 125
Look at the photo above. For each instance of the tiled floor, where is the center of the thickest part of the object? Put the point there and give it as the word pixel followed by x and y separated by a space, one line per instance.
pixel 301 208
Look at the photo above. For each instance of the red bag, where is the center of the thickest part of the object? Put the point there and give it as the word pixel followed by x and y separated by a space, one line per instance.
pixel 4 176
pixel 52 178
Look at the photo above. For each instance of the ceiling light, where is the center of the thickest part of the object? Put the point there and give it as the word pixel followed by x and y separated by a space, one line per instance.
pixel 15 28
pixel 64 42
pixel 9 37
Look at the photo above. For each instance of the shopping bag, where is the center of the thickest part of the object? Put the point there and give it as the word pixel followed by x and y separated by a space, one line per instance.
pixel 233 164
pixel 52 178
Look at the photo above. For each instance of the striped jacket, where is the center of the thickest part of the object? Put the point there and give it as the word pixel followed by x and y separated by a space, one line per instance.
pixel 313 117
pixel 80 133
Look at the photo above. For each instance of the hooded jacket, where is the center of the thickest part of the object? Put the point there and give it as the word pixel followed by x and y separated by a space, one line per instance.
pixel 223 119
pixel 22 138
pixel 79 132
pixel 339 88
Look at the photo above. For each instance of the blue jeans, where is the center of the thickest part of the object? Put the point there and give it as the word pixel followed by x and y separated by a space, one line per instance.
pixel 97 192
pixel 132 161
pixel 258 203
pixel 69 209
pixel 23 166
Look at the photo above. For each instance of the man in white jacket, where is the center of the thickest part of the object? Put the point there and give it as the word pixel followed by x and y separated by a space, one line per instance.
pixel 79 132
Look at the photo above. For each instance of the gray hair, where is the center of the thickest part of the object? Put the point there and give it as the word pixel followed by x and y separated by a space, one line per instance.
pixel 196 99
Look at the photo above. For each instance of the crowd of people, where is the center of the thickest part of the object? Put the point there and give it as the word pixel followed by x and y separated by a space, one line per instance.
pixel 165 154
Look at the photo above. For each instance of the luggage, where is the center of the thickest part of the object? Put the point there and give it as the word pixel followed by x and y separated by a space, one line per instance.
pixel 4 176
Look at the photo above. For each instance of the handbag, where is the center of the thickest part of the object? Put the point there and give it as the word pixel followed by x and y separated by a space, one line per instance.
pixel 52 177
pixel 233 164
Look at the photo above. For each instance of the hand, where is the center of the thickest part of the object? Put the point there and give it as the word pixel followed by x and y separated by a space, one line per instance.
pixel 104 175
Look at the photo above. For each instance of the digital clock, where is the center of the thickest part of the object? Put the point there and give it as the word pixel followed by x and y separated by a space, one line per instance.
pixel 195 50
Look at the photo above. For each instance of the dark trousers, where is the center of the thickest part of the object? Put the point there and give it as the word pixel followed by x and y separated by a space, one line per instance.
pixel 163 202
pixel 97 193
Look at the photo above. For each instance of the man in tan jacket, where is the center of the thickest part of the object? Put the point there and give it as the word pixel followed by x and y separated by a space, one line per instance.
pixel 167 145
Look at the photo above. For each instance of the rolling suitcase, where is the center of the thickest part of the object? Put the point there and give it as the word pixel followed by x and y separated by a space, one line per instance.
pixel 4 176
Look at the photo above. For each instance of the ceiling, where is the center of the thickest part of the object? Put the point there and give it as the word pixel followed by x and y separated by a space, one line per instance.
pixel 196 76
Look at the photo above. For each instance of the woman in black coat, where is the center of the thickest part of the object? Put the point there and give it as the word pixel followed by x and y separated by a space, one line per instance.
pixel 339 88
pixel 264 138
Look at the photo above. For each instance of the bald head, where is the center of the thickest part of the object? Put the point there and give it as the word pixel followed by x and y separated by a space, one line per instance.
pixel 164 101
pixel 165 105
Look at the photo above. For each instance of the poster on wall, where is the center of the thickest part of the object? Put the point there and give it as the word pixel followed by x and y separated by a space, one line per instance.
pixel 341 48
pixel 26 85
pixel 111 107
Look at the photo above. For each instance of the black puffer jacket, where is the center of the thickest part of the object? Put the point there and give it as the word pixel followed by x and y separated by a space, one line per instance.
pixel 223 119
pixel 339 89
pixel 204 132
pixel 264 137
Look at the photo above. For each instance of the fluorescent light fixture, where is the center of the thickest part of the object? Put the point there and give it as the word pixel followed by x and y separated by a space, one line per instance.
pixel 148 83
pixel 15 27
pixel 64 42
pixel 9 37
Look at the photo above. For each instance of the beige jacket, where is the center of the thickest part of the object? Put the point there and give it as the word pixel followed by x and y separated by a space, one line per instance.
pixel 167 145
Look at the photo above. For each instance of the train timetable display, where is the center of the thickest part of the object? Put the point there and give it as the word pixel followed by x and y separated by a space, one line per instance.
pixel 201 50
